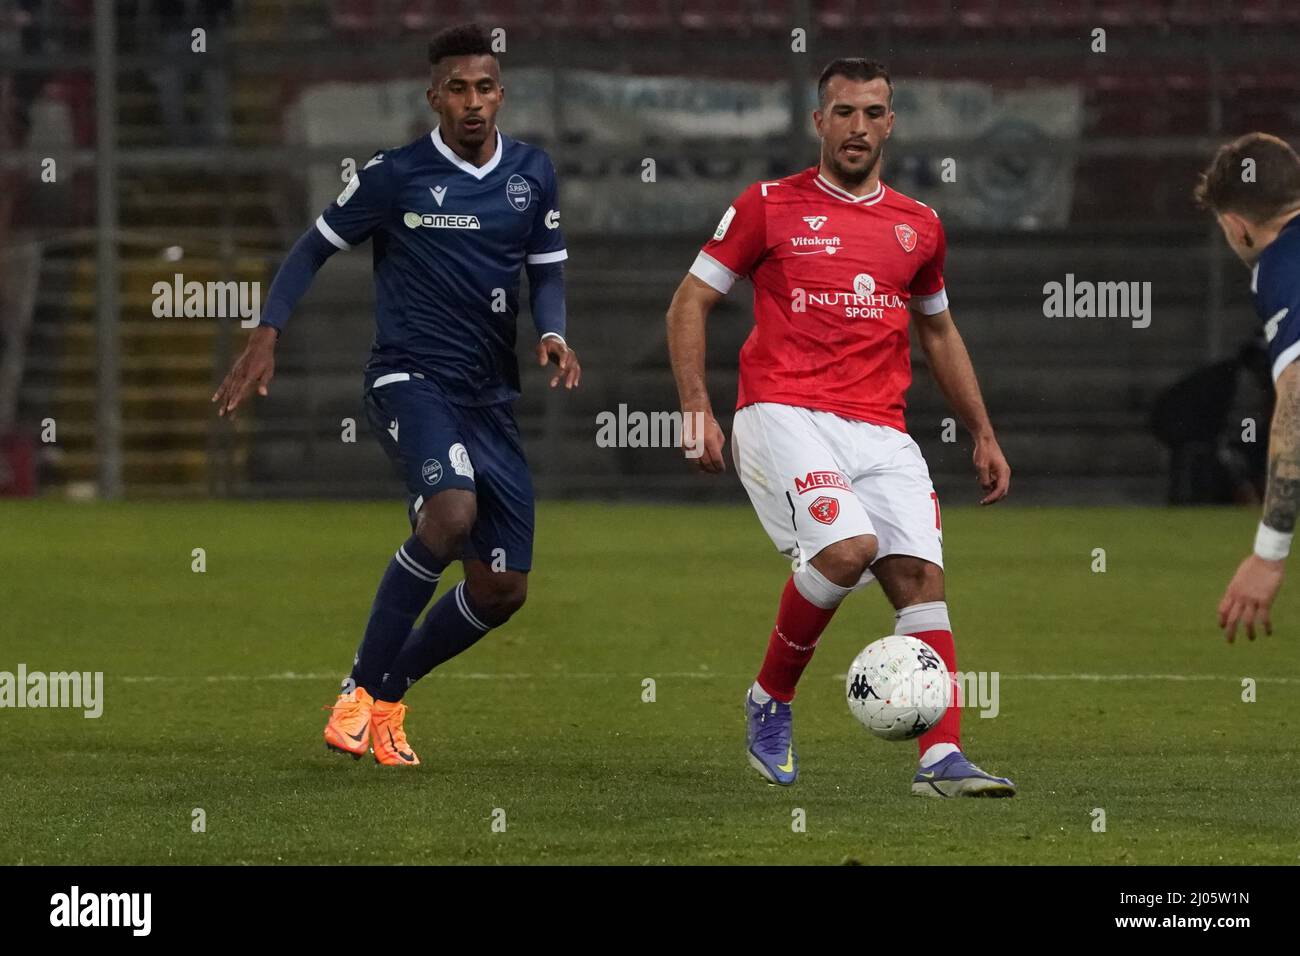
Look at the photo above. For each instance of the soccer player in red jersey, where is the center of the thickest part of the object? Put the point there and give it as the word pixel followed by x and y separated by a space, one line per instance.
pixel 840 265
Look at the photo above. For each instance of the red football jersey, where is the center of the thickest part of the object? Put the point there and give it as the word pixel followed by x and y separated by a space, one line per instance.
pixel 834 277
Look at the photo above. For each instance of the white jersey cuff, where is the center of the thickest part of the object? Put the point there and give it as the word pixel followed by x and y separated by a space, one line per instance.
pixel 1289 355
pixel 930 304
pixel 713 273
pixel 1272 545
pixel 335 239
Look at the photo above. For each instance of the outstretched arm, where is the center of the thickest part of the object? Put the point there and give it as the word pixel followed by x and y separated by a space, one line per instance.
pixel 1253 588
pixel 687 315
pixel 546 298
pixel 951 367
pixel 256 365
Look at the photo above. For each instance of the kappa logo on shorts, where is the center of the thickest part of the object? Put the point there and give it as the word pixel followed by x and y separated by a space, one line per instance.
pixel 825 510
pixel 459 459
pixel 432 471
pixel 820 479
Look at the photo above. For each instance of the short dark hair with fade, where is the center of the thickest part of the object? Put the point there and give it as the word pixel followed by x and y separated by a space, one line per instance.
pixel 855 68
pixel 464 39
pixel 1272 188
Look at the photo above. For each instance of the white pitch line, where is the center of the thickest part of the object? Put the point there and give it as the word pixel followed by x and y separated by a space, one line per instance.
pixel 1170 677
pixel 681 675
pixel 1109 678
pixel 472 675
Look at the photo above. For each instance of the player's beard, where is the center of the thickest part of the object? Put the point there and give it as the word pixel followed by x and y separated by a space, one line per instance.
pixel 473 138
pixel 854 177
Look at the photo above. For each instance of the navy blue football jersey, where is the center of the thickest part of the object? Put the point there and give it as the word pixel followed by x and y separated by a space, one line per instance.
pixel 450 240
pixel 1275 282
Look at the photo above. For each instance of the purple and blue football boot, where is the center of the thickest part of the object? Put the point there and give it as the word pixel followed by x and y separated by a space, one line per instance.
pixel 955 776
pixel 771 740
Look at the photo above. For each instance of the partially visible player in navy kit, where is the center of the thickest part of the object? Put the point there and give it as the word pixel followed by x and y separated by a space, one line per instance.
pixel 454 217
pixel 1253 187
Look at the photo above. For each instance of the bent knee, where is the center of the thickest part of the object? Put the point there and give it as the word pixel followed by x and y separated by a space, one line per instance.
pixel 498 596
pixel 909 580
pixel 444 523
pixel 844 562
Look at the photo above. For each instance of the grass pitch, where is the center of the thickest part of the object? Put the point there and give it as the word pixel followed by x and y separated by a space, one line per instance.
pixel 1116 693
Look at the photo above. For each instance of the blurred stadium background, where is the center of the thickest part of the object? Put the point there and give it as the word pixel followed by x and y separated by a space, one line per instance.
pixel 210 164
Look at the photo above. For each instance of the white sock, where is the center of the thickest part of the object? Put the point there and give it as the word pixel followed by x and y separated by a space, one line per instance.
pixel 760 696
pixel 936 753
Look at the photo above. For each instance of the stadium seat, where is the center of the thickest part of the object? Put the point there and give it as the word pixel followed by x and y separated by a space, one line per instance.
pixel 775 17
pixel 643 15
pixel 1197 13
pixel 978 14
pixel 354 16
pixel 1126 13
pixel 1022 15
pixel 510 14
pixel 1268 12
pixel 837 15
pixel 935 15
pixel 423 15
pixel 730 15
pixel 1254 12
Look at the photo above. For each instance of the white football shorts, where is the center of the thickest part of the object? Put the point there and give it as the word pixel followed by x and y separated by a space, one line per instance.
pixel 816 478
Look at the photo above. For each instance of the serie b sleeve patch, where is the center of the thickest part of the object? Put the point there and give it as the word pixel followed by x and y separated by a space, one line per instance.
pixel 353 185
pixel 724 224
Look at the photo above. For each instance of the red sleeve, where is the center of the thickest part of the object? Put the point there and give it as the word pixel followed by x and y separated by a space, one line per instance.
pixel 737 244
pixel 929 278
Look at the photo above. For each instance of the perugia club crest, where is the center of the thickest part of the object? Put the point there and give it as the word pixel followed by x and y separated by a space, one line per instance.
pixel 906 236
pixel 825 509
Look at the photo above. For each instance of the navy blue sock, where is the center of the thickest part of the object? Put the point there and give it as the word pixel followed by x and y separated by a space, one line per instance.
pixel 451 626
pixel 407 586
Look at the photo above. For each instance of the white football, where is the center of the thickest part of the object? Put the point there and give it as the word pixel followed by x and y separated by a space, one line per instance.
pixel 898 687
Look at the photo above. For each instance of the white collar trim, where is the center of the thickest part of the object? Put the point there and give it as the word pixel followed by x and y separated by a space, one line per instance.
pixel 869 199
pixel 478 172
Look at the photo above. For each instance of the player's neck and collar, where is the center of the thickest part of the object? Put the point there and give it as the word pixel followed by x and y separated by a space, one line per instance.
pixel 478 172
pixel 870 191
pixel 1267 237
pixel 1289 220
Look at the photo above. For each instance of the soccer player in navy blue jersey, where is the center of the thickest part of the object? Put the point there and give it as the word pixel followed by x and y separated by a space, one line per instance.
pixel 1253 187
pixel 453 218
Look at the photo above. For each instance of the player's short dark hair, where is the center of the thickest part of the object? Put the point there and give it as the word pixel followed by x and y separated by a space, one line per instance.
pixel 464 39
pixel 855 68
pixel 1273 186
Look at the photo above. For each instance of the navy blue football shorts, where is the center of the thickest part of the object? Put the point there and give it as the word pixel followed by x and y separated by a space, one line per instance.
pixel 439 445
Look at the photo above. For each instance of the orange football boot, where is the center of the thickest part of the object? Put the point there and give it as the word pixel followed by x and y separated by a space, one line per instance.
pixel 348 729
pixel 387 737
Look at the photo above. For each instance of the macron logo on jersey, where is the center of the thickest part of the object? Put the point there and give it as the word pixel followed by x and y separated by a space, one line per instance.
pixel 438 193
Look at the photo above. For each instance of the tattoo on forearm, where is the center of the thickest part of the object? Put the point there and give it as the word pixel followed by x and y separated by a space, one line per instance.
pixel 1282 499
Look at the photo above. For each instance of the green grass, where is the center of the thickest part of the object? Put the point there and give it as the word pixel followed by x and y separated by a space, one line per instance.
pixel 545 720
